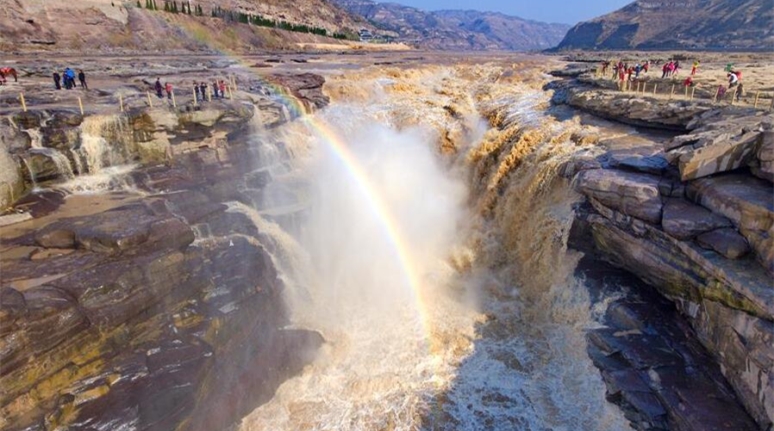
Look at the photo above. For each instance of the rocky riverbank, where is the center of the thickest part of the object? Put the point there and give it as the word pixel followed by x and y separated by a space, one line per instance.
pixel 158 305
pixel 694 218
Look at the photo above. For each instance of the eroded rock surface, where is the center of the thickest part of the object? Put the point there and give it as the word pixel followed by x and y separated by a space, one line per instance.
pixel 698 230
pixel 156 310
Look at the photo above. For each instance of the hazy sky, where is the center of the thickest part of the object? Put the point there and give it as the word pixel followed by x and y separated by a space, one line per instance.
pixel 565 11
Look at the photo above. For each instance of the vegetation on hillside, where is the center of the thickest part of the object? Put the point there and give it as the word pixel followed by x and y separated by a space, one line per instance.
pixel 244 18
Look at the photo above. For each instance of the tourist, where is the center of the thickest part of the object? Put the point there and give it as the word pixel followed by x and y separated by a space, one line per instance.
pixel 676 68
pixel 739 91
pixel 215 89
pixel 222 86
pixel 159 89
pixel 695 68
pixel 69 78
pixel 733 80
pixel 82 78
pixel 688 82
pixel 57 78
pixel 197 96
pixel 168 89
pixel 665 70
pixel 203 90
pixel 637 70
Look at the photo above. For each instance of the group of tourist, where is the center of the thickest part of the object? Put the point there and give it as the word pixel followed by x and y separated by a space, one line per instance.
pixel 218 89
pixel 623 71
pixel 200 90
pixel 67 79
pixel 670 69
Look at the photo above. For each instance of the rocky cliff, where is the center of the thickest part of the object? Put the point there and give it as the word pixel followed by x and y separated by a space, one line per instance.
pixel 456 29
pixel 694 218
pixel 742 25
pixel 156 308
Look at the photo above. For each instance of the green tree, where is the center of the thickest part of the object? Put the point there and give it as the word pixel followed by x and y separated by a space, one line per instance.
pixel 155 6
pixel 138 4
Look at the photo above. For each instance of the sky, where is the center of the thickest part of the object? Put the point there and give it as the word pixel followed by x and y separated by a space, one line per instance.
pixel 562 11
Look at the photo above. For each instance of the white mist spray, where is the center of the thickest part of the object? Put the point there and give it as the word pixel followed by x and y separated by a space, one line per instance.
pixel 377 369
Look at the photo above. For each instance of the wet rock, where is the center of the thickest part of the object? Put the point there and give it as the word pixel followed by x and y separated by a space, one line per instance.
pixel 55 237
pixel 680 387
pixel 46 166
pixel 633 194
pixel 727 242
pixel 307 87
pixel 651 164
pixel 684 220
pixel 12 184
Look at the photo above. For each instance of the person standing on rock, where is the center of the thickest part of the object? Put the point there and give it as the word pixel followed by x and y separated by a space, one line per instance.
pixel 159 89
pixel 203 90
pixel 222 86
pixel 695 68
pixel 197 96
pixel 215 92
pixel 82 78
pixel 57 78
pixel 168 89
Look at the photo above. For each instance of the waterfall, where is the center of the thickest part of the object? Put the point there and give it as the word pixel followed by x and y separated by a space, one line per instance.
pixel 62 163
pixel 77 162
pixel 104 141
pixel 495 281
pixel 36 138
pixel 31 173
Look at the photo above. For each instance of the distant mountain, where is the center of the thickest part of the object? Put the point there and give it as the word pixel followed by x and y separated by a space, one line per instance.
pixel 457 30
pixel 687 24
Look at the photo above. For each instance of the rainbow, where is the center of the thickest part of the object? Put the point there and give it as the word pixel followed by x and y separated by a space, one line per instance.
pixel 379 208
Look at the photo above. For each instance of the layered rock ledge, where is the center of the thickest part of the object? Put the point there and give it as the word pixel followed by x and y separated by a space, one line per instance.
pixel 156 308
pixel 699 228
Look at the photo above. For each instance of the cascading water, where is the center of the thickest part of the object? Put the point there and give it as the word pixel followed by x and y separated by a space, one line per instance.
pixel 100 157
pixel 60 161
pixel 445 305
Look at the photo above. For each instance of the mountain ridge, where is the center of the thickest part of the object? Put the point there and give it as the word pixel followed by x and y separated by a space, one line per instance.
pixel 725 25
pixel 457 29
